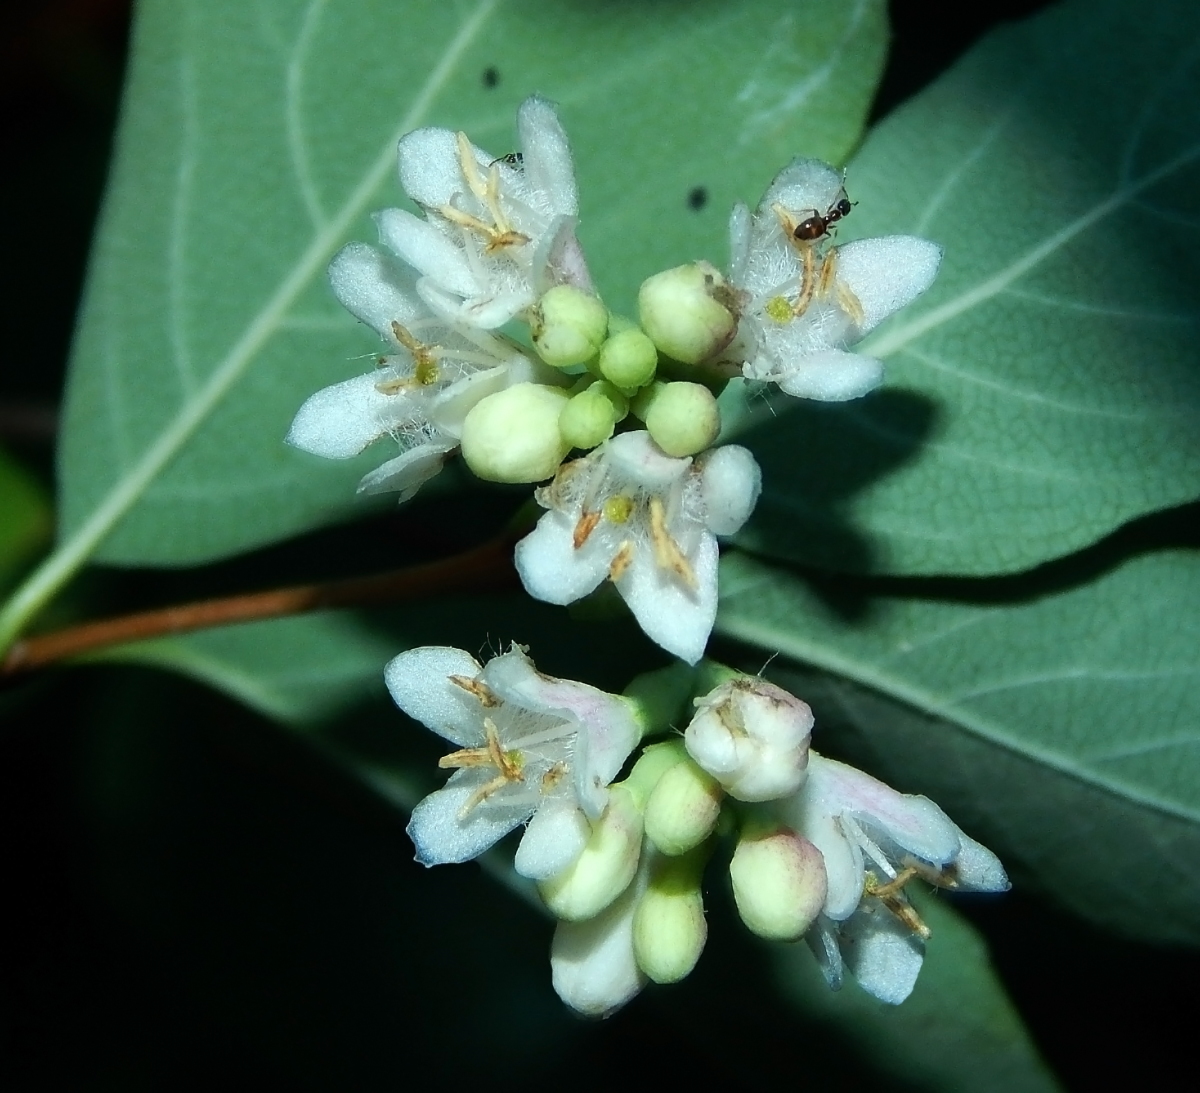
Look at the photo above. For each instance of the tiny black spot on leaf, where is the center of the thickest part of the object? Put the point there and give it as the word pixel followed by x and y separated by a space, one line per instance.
pixel 491 76
pixel 697 198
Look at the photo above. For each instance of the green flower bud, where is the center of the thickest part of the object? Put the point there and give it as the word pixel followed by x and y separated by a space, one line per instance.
pixel 683 808
pixel 513 435
pixel 669 930
pixel 689 312
pixel 660 699
pixel 568 326
pixel 779 883
pixel 590 416
pixel 628 359
pixel 605 867
pixel 682 418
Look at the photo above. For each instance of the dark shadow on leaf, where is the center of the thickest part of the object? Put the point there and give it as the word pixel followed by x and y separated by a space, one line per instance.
pixel 815 459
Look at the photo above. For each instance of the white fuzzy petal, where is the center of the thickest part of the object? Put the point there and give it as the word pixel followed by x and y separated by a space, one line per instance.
pixel 887 273
pixel 550 567
pixel 427 249
pixel 831 375
pixel 407 473
pixel 730 484
pixel 430 171
pixel 340 421
pixel 373 288
pixel 443 835
pixel 558 259
pixel 419 682
pixel 678 618
pixel 822 940
pixel 978 869
pixel 548 165
pixel 803 185
pixel 553 840
pixel 635 456
pixel 449 408
pixel 739 243
pixel 882 954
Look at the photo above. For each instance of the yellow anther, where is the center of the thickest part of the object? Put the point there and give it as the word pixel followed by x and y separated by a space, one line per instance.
pixel 481 691
pixel 584 528
pixel 667 554
pixel 620 561
pixel 891 895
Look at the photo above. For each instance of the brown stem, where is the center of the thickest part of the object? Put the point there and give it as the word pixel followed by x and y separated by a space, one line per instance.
pixel 484 567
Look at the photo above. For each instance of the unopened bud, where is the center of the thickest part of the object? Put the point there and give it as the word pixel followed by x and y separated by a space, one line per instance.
pixel 669 929
pixel 752 737
pixel 592 963
pixel 628 359
pixel 568 326
pixel 589 417
pixel 683 809
pixel 605 867
pixel 688 312
pixel 513 435
pixel 779 883
pixel 681 418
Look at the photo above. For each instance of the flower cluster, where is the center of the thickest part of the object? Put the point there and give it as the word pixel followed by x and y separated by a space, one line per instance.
pixel 497 345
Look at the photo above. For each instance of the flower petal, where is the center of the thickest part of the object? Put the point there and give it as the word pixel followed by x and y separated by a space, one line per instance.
pixel 427 249
pixel 887 273
pixel 407 473
pixel 449 408
pixel 804 185
pixel 419 682
pixel 374 288
pixel 882 954
pixel 730 484
pixel 830 375
pixel 547 164
pixel 444 836
pixel 340 421
pixel 678 618
pixel 550 567
pixel 430 171
pixel 553 840
pixel 977 869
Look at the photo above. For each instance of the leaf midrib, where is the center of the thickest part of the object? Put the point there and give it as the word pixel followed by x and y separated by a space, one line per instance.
pixel 74 550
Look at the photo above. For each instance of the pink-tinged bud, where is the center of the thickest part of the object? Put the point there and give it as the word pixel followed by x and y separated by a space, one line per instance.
pixel 752 737
pixel 779 883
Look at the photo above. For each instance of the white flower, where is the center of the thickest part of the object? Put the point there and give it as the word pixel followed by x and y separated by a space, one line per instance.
pixel 806 302
pixel 532 749
pixel 435 371
pixel 875 840
pixel 647 522
pixel 498 232
pixel 752 737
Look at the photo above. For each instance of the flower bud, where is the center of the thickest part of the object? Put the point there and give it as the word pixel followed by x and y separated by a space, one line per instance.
pixel 628 359
pixel 605 867
pixel 683 808
pixel 779 883
pixel 681 418
pixel 589 417
pixel 752 737
pixel 513 435
pixel 592 963
pixel 669 930
pixel 568 326
pixel 688 312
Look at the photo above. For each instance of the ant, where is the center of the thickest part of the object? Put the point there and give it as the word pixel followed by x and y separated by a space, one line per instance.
pixel 815 226
pixel 513 159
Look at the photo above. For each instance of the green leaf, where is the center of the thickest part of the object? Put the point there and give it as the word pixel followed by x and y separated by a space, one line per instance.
pixel 1063 732
pixel 24 518
pixel 957 1031
pixel 256 138
pixel 1045 390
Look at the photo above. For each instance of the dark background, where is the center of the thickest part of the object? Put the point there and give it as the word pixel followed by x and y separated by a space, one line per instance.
pixel 191 897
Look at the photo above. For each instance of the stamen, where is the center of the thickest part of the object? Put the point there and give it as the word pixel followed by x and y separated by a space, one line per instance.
pixel 588 523
pixel 667 554
pixel 850 303
pixel 891 895
pixel 553 776
pixel 481 691
pixel 620 562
